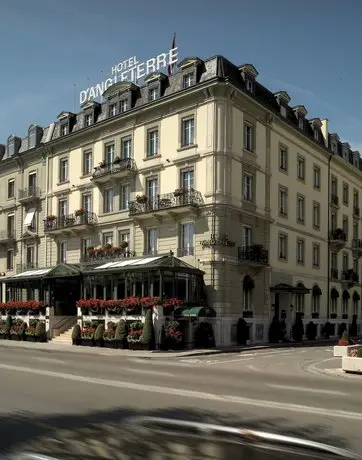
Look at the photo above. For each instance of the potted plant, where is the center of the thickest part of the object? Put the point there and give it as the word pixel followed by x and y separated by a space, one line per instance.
pixel 173 335
pixel 98 335
pixel 40 332
pixel 79 212
pixel 22 329
pixel 2 329
pixel 148 332
pixel 30 331
pixel 123 245
pixel 102 164
pixel 180 191
pixel 121 334
pixel 8 324
pixel 109 335
pixel 15 329
pixel 134 336
pixel 76 335
pixel 141 199
pixel 88 335
pixel 117 160
pixel 107 247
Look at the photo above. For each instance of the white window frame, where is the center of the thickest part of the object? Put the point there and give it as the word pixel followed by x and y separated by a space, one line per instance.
pixel 283 158
pixel 301 168
pixel 283 201
pixel 152 142
pixel 300 251
pixel 124 196
pixel 249 137
pixel 300 209
pixel 283 247
pixel 188 131
pixel 248 187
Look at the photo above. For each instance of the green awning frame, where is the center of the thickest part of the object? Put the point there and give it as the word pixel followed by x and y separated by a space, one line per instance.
pixel 195 312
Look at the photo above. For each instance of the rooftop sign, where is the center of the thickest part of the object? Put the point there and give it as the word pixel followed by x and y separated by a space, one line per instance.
pixel 131 70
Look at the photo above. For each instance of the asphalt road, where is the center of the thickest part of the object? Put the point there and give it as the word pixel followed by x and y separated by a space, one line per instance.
pixel 64 403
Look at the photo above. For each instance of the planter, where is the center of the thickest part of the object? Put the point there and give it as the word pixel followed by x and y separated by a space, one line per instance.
pixel 99 343
pixel 87 342
pixel 41 339
pixel 110 344
pixel 15 337
pixel 135 345
pixel 352 365
pixel 122 344
pixel 76 342
pixel 2 337
pixel 30 338
pixel 340 350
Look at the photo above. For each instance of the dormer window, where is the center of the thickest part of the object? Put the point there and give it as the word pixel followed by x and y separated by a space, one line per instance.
pixel 301 122
pixel 249 74
pixel 123 106
pixel 14 144
pixel 35 134
pixel 283 111
pixel 88 119
pixel 64 129
pixel 334 147
pixel 112 110
pixel 152 94
pixel 188 80
pixel 249 85
pixel 316 135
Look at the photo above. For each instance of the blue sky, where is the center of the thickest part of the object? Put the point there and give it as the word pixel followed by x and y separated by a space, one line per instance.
pixel 310 48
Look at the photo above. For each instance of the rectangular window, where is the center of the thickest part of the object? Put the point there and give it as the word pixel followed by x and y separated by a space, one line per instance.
pixel 333 221
pixel 126 147
pixel 87 162
pixel 345 262
pixel 152 188
pixel 88 119
pixel 188 80
pixel 247 236
pixel 187 232
pixel 11 188
pixel 316 177
pixel 64 129
pixel 108 200
pixel 345 194
pixel 32 182
pixel 109 154
pixel 152 142
pixel 86 243
pixel 107 238
pixel 29 220
pixel 300 251
pixel 188 132
pixel 62 208
pixel 283 158
pixel 300 209
pixel 334 261
pixel 62 252
pixel 316 255
pixel 355 230
pixel 112 111
pixel 151 241
pixel 123 106
pixel 249 137
pixel 334 186
pixel 63 170
pixel 87 203
pixel 345 225
pixel 283 247
pixel 355 265
pixel 356 199
pixel 187 178
pixel 124 196
pixel 248 187
pixel 10 259
pixel 300 168
pixel 11 226
pixel 152 94
pixel 283 202
pixel 30 256
pixel 124 236
pixel 316 215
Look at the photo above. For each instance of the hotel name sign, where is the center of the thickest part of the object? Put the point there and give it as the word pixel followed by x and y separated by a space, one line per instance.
pixel 131 70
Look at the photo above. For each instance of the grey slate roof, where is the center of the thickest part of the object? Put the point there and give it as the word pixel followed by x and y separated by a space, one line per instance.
pixel 217 67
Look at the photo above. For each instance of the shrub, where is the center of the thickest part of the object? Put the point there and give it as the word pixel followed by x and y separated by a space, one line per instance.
pixel 163 338
pixel 298 329
pixel 22 329
pixel 121 332
pixel 242 332
pixel 359 352
pixel 77 332
pixel 311 331
pixel 148 333
pixel 40 331
pixel 9 322
pixel 98 335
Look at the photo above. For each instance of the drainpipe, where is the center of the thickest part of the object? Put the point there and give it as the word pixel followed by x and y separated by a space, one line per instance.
pixel 328 236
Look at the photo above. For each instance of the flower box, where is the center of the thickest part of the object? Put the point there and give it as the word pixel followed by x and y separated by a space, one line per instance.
pixel 141 199
pixel 87 342
pixel 352 365
pixel 341 351
pixel 136 345
pixel 109 344
pixel 15 337
pixel 30 338
pixel 179 192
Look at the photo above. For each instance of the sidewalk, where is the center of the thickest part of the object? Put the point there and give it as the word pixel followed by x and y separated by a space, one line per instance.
pixel 51 348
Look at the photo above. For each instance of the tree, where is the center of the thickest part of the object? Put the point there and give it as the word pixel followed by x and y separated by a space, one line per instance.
pixel 148 333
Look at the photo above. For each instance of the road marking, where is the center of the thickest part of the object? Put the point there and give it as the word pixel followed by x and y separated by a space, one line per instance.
pixel 145 371
pixel 253 368
pixel 49 360
pixel 335 413
pixel 210 363
pixel 307 389
pixel 314 369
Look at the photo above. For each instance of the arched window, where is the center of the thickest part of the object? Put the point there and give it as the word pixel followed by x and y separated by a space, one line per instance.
pixel 345 302
pixel 248 286
pixel 299 299
pixel 356 298
pixel 316 299
pixel 334 297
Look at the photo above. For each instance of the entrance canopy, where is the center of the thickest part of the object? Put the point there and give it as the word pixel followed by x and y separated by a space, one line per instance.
pixel 60 271
pixel 195 312
pixel 283 287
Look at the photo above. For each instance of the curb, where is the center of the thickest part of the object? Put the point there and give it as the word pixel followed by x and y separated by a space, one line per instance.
pixel 165 355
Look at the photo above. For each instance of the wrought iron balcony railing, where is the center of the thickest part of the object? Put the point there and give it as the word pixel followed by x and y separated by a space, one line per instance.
pixel 337 235
pixel 124 164
pixel 356 243
pixel 29 193
pixel 334 199
pixel 350 276
pixel 144 204
pixel 97 255
pixel 71 220
pixel 334 274
pixel 256 253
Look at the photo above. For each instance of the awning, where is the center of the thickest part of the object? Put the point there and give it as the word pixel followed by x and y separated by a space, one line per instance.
pixel 346 295
pixel 195 312
pixel 283 287
pixel 334 293
pixel 356 296
pixel 29 217
pixel 316 291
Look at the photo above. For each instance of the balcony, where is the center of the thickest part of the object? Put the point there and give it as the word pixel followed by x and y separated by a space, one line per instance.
pixel 111 254
pixel 334 274
pixel 71 223
pixel 356 212
pixel 350 277
pixel 334 200
pixel 25 267
pixel 28 195
pixel 357 247
pixel 255 255
pixel 169 204
pixel 337 239
pixel 116 170
pixel 7 237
